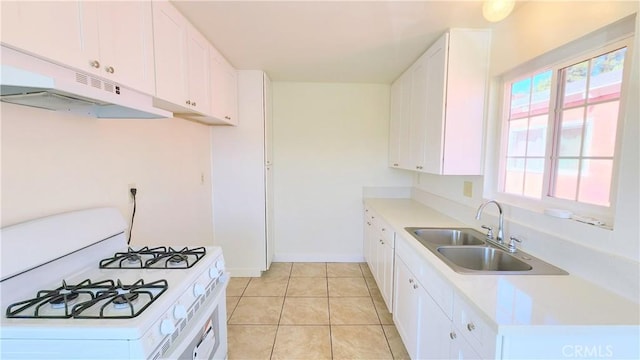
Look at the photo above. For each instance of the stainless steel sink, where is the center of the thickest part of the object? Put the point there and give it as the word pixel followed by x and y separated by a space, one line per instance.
pixel 483 259
pixel 465 251
pixel 440 236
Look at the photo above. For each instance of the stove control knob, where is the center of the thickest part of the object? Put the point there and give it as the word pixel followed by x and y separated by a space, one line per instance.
pixel 180 312
pixel 214 273
pixel 220 265
pixel 167 327
pixel 198 289
pixel 224 278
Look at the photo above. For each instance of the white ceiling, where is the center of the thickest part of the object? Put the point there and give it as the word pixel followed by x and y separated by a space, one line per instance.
pixel 328 41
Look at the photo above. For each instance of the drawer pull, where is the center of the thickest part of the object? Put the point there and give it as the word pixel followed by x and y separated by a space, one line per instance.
pixel 415 286
pixel 471 326
pixel 453 335
pixel 410 281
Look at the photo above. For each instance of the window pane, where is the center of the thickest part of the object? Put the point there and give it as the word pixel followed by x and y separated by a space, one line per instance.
pixel 566 181
pixel 606 76
pixel 600 132
pixel 571 132
pixel 541 93
pixel 595 181
pixel 520 97
pixel 517 137
pixel 514 177
pixel 537 137
pixel 575 84
pixel 534 178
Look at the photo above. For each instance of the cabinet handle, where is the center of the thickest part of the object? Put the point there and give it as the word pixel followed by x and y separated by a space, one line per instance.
pixel 453 335
pixel 228 117
pixel 193 103
pixel 368 223
pixel 188 102
pixel 471 326
pixel 94 64
pixel 410 281
pixel 383 229
pixel 381 242
pixel 419 167
pixel 415 286
pixel 110 69
pixel 395 164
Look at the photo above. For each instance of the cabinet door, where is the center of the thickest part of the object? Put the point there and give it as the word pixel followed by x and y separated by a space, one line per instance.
pixel 387 270
pixel 367 242
pixel 417 122
pixel 395 118
pixel 406 307
pixel 126 43
pixel 460 348
pixel 197 71
pixel 434 328
pixel 224 89
pixel 49 29
pixel 404 150
pixel 434 98
pixel 169 41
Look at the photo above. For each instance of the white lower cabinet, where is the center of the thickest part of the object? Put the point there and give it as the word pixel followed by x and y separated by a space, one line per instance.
pixel 433 321
pixel 379 240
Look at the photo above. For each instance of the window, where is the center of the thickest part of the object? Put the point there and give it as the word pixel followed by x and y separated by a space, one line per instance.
pixel 560 130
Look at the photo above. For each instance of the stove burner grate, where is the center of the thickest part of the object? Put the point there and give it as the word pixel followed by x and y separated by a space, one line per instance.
pixel 105 294
pixel 154 258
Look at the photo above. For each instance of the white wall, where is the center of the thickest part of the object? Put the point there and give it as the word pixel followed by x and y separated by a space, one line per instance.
pixel 609 258
pixel 330 140
pixel 54 162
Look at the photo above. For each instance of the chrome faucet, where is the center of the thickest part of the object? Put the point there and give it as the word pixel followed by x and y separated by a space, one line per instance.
pixel 500 236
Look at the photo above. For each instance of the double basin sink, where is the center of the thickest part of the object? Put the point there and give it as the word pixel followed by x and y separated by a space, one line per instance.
pixel 465 251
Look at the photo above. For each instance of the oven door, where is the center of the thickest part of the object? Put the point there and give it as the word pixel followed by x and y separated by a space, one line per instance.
pixel 206 337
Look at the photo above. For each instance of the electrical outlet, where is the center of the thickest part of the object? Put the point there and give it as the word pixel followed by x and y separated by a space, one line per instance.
pixel 129 187
pixel 467 189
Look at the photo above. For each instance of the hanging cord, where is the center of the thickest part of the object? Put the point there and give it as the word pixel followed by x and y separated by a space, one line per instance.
pixel 133 214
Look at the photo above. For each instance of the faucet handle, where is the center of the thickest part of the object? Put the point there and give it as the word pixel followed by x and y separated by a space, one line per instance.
pixel 489 231
pixel 512 244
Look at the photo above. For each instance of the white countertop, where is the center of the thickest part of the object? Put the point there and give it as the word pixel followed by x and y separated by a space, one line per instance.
pixel 513 303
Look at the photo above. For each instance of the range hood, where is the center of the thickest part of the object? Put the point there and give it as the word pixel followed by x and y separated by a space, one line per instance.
pixel 31 81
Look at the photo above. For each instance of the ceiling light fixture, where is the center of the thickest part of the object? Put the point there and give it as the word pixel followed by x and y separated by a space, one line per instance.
pixel 496 10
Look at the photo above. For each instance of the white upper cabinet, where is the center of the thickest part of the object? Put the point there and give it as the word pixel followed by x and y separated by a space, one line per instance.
pixel 126 42
pixel 181 62
pixel 444 107
pixel 193 79
pixel 113 40
pixel 399 151
pixel 224 88
pixel 33 27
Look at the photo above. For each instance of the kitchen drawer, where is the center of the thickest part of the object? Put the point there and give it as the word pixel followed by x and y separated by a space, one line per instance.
pixel 380 225
pixel 473 328
pixel 439 289
pixel 386 231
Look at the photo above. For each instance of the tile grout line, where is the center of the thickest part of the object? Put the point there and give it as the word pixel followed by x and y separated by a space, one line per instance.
pixel 284 299
pixel 326 273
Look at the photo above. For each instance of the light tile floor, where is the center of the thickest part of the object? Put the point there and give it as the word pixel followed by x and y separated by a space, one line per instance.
pixel 310 311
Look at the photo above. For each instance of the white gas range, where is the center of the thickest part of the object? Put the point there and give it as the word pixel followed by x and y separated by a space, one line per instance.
pixel 71 288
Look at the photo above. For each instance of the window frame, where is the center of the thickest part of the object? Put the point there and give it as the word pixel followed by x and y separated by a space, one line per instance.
pixel 568 58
